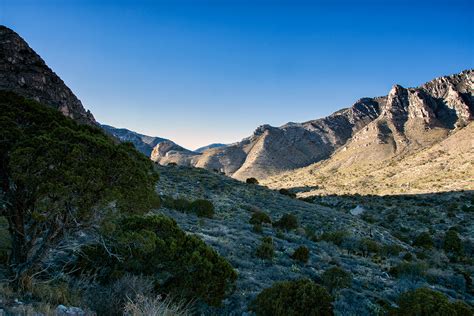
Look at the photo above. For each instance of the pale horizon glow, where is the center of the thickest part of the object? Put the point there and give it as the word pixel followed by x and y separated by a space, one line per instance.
pixel 202 72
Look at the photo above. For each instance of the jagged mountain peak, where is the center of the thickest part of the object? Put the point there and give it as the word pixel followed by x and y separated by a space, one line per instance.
pixel 404 120
pixel 23 71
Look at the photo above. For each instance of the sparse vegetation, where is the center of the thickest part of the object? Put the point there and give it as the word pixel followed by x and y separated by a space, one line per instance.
pixel 259 217
pixel 287 222
pixel 336 278
pixel 266 249
pixel 301 254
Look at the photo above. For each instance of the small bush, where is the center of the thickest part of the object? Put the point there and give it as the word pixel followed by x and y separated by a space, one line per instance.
pixel 424 301
pixel 300 297
pixel 336 237
pixel 301 254
pixel 287 193
pixel 260 217
pixel 266 249
pixel 423 240
pixel 156 306
pixel 251 181
pixel 287 222
pixel 452 243
pixel 257 228
pixel 411 270
pixel 336 278
pixel 202 208
pixel 368 246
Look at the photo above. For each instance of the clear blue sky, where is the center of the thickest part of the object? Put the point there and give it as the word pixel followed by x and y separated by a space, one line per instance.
pixel 199 72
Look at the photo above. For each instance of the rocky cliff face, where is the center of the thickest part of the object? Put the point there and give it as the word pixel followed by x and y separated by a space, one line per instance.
pixel 143 143
pixel 24 72
pixel 404 120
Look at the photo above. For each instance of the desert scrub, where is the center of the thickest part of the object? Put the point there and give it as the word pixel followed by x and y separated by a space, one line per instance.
pixel 424 301
pixel 335 237
pixel 156 306
pixel 257 228
pixel 410 270
pixel 287 193
pixel 336 278
pixel 266 250
pixel 155 246
pixel 251 181
pixel 423 240
pixel 287 222
pixel 202 208
pixel 300 297
pixel 301 254
pixel 260 217
pixel 452 243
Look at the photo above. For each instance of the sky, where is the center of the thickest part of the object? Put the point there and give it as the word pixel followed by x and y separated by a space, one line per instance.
pixel 201 72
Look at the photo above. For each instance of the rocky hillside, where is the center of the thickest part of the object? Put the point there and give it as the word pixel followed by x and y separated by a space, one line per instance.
pixel 25 72
pixel 371 237
pixel 143 143
pixel 383 127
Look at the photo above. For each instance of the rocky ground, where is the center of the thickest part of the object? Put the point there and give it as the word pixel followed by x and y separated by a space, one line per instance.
pixel 373 286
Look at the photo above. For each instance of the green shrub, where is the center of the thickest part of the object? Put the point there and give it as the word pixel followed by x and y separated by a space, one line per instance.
pixel 266 249
pixel 452 243
pixel 251 181
pixel 257 228
pixel 287 193
pixel 287 222
pixel 62 178
pixel 423 240
pixel 297 298
pixel 202 208
pixel 369 246
pixel 424 301
pixel 336 278
pixel 411 270
pixel 259 217
pixel 301 254
pixel 335 237
pixel 391 250
pixel 182 204
pixel 155 246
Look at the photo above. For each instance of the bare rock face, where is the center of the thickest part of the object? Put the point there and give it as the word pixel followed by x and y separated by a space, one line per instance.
pixel 371 129
pixel 24 72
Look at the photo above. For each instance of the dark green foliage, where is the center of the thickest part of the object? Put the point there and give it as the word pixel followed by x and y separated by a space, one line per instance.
pixel 202 208
pixel 58 176
pixel 155 246
pixel 368 246
pixel 287 193
pixel 266 250
pixel 296 298
pixel 423 301
pixel 287 222
pixel 259 217
pixel 423 240
pixel 452 243
pixel 336 278
pixel 410 270
pixel 336 237
pixel 257 228
pixel 391 250
pixel 251 181
pixel 301 254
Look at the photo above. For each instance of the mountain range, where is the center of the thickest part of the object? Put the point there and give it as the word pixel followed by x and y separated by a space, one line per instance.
pixel 372 129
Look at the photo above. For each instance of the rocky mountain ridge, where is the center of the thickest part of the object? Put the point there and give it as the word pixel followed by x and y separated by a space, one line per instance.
pixel 23 71
pixel 143 143
pixel 381 127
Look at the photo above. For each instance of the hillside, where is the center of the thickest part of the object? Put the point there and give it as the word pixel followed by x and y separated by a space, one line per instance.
pixel 374 129
pixel 391 224
pixel 445 166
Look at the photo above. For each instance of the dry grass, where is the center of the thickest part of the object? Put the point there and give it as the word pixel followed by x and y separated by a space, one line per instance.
pixel 156 306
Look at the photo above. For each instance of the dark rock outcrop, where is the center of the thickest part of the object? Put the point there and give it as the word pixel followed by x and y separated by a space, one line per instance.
pixel 25 72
